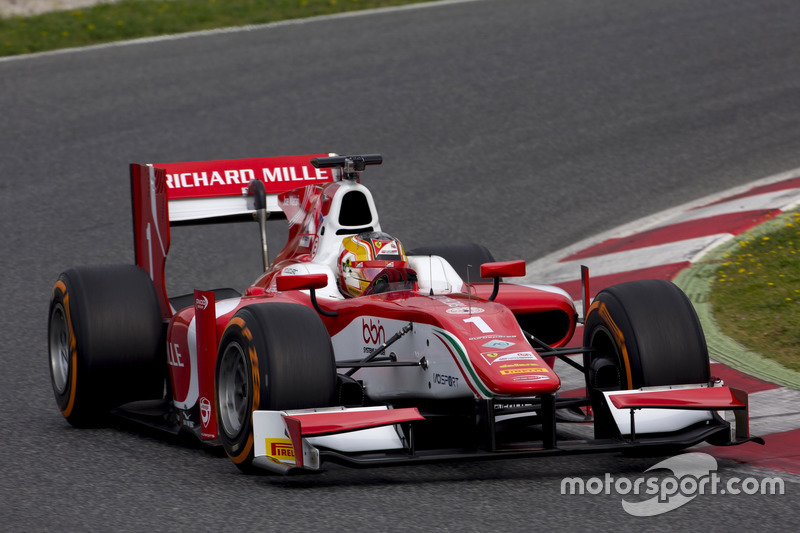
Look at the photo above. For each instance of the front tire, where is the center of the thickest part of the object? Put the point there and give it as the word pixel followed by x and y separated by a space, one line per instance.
pixel 644 333
pixel 272 356
pixel 104 331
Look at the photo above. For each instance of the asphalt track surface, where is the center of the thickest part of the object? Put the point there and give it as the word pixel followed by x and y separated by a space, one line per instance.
pixel 523 125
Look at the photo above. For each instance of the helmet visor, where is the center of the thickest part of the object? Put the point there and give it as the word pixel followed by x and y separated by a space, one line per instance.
pixel 368 270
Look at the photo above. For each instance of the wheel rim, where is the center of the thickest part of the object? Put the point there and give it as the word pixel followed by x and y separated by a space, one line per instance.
pixel 59 349
pixel 605 348
pixel 234 390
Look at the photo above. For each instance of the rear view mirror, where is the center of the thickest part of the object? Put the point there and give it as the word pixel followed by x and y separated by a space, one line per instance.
pixel 499 269
pixel 302 282
pixel 309 282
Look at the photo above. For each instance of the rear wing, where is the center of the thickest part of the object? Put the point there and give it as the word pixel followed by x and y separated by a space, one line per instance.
pixel 170 194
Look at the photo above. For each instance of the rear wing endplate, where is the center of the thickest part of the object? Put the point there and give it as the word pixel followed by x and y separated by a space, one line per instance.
pixel 171 194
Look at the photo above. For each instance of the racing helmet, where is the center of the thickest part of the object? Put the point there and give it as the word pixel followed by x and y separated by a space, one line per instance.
pixel 364 256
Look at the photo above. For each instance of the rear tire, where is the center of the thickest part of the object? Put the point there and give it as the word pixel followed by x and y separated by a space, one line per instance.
pixel 272 356
pixel 104 332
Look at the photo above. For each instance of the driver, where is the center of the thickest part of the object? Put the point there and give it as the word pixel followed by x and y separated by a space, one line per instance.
pixel 366 255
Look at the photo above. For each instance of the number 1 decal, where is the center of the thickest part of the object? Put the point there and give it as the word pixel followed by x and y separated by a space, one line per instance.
pixel 480 323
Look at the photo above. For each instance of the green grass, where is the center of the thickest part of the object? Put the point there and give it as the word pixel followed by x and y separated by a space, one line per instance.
pixel 132 19
pixel 756 293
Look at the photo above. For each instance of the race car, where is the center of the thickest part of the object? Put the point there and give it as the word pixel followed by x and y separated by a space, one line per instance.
pixel 349 349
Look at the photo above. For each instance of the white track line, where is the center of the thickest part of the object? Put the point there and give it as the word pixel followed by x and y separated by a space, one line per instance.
pixel 239 29
pixel 628 260
pixel 540 270
pixel 770 200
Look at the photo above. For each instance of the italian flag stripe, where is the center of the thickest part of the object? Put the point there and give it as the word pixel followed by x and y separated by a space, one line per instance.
pixel 460 356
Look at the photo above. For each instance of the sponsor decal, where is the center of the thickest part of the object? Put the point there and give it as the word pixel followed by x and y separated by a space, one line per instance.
pixel 205 411
pixel 459 354
pixel 372 332
pixel 465 310
pixel 174 356
pixel 497 344
pixel 294 174
pixel 280 449
pixel 385 247
pixel 201 303
pixel 501 406
pixel 515 365
pixel 448 381
pixel 522 371
pixel 457 307
pixel 203 179
pixel 185 418
pixel 529 377
pixel 210 179
pixel 290 271
pixel 244 176
pixel 291 201
pixel 492 337
pixel 496 357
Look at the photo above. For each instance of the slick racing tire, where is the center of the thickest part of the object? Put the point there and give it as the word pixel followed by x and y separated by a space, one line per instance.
pixel 104 333
pixel 272 356
pixel 643 333
pixel 460 256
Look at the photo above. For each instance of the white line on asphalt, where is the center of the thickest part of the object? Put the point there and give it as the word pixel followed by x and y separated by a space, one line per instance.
pixel 769 200
pixel 238 29
pixel 546 264
pixel 628 260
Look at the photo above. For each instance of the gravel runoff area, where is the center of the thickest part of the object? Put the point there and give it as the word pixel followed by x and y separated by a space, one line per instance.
pixel 9 8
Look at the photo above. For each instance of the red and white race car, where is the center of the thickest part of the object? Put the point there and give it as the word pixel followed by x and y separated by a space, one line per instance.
pixel 349 349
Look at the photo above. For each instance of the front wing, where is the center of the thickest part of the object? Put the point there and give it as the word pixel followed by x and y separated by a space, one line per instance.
pixel 382 436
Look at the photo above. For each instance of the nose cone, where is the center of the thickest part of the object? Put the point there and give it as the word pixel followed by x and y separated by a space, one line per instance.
pixel 491 348
pixel 515 373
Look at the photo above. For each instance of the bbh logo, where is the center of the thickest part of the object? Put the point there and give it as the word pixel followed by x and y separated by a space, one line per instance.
pixel 373 333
